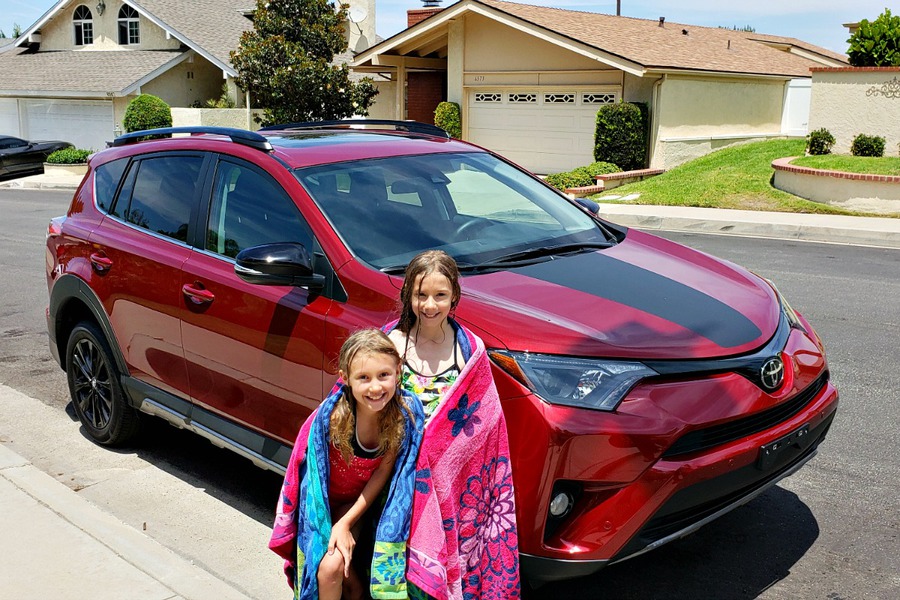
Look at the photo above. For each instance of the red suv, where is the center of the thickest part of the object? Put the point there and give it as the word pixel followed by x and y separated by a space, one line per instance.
pixel 210 280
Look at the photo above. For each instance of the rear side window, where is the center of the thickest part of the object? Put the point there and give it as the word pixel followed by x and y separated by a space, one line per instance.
pixel 163 192
pixel 106 180
pixel 249 208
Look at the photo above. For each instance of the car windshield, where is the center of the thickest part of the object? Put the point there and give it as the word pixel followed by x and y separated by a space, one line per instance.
pixel 480 210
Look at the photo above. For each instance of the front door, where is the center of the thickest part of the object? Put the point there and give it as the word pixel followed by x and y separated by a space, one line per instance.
pixel 254 352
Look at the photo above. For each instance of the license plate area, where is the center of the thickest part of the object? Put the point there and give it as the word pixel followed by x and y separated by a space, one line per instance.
pixel 771 452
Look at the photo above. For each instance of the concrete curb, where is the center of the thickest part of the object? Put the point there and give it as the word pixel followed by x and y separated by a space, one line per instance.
pixel 836 229
pixel 123 542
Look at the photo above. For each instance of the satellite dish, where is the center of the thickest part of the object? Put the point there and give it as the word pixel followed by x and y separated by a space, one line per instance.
pixel 357 14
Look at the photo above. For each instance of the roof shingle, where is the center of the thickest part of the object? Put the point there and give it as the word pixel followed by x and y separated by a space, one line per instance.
pixel 672 45
pixel 100 72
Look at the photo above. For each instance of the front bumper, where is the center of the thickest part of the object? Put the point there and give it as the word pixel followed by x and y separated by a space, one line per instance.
pixel 648 474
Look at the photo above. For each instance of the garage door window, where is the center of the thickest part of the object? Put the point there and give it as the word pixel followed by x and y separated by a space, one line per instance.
pixel 83 21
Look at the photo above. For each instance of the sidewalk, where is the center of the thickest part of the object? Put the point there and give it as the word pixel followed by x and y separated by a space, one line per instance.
pixel 864 231
pixel 81 551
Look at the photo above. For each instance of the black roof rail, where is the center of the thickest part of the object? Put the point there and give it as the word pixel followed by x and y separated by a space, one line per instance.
pixel 238 136
pixel 410 126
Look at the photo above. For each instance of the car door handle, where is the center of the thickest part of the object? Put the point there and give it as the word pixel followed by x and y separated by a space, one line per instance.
pixel 101 263
pixel 197 295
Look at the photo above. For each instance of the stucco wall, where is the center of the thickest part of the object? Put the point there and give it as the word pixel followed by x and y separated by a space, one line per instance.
pixel 215 117
pixel 385 106
pixel 59 33
pixel 697 116
pixel 850 101
pixel 490 46
pixel 187 82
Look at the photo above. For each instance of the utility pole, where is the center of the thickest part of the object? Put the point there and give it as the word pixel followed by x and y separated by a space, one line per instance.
pixel 618 8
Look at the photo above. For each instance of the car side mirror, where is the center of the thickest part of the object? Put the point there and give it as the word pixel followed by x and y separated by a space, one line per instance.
pixel 283 263
pixel 591 207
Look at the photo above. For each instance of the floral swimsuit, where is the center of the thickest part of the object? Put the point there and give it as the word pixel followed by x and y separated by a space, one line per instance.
pixel 430 389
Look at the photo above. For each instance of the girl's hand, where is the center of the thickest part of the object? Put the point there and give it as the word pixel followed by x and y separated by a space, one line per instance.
pixel 342 540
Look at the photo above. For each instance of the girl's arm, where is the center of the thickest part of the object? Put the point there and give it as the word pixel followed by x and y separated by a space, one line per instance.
pixel 341 536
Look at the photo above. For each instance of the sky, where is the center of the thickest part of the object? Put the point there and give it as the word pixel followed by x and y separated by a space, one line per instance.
pixel 818 22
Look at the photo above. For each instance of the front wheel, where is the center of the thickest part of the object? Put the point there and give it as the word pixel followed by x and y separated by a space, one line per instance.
pixel 95 388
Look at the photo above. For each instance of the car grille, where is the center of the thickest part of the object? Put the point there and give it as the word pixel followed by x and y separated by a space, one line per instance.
pixel 703 439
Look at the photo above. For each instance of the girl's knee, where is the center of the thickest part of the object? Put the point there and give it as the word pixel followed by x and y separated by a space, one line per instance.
pixel 331 569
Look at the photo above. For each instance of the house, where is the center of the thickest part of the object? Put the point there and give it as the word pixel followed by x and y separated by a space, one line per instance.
pixel 72 73
pixel 530 79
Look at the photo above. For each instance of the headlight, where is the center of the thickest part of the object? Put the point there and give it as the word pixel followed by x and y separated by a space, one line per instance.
pixel 578 382
pixel 789 312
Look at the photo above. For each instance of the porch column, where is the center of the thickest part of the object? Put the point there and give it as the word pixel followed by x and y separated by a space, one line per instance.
pixel 401 89
pixel 455 63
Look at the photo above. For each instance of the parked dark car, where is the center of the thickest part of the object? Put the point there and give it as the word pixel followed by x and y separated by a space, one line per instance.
pixel 18 156
pixel 210 280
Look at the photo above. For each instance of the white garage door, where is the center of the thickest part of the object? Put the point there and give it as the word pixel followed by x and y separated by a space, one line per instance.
pixel 544 130
pixel 9 117
pixel 84 123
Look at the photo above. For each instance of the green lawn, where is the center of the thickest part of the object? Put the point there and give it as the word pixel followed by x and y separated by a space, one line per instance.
pixel 737 177
pixel 888 165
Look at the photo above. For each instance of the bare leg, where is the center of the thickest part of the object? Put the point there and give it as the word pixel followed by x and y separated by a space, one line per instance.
pixel 331 576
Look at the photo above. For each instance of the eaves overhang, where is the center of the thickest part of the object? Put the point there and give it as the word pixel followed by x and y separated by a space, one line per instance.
pixel 656 71
pixel 425 30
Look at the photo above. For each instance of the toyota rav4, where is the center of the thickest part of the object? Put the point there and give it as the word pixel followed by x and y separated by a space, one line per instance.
pixel 210 279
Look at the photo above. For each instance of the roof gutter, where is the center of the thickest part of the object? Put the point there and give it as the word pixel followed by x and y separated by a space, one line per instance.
pixel 722 74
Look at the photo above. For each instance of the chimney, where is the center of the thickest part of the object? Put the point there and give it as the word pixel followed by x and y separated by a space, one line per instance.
pixel 662 21
pixel 417 15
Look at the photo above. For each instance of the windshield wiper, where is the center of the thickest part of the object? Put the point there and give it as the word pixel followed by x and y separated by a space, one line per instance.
pixel 534 255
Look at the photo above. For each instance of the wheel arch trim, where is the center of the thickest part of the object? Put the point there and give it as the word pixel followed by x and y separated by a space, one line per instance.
pixel 71 288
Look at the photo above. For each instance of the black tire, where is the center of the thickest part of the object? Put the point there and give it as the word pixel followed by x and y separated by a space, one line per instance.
pixel 95 388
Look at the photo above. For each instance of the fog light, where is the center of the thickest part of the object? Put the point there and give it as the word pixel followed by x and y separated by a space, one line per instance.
pixel 560 504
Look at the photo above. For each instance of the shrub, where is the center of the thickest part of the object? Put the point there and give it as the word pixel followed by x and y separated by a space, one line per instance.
pixel 819 142
pixel 223 101
pixel 146 112
pixel 867 145
pixel 621 135
pixel 69 156
pixel 447 117
pixel 580 176
pixel 568 179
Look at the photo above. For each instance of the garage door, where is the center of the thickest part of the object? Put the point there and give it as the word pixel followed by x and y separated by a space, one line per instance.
pixel 9 117
pixel 544 130
pixel 86 124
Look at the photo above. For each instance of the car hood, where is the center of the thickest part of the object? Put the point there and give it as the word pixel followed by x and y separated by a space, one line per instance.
pixel 645 298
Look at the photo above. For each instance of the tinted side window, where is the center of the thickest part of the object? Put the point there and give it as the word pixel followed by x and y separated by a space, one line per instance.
pixel 249 208
pixel 106 180
pixel 163 194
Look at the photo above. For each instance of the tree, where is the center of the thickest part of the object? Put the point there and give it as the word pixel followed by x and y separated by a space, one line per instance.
pixel 285 62
pixel 876 43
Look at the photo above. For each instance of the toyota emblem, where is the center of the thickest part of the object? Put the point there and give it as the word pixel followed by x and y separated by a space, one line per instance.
pixel 772 374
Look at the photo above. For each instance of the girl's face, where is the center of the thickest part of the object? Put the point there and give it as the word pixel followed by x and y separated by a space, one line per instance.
pixel 373 380
pixel 432 298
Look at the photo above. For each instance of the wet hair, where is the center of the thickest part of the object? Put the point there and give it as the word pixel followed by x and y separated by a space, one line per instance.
pixel 391 419
pixel 424 264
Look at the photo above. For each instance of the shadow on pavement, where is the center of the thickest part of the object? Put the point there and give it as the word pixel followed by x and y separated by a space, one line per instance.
pixel 737 557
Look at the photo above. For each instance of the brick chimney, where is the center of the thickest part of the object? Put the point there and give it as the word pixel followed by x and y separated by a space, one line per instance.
pixel 417 15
